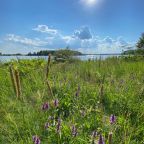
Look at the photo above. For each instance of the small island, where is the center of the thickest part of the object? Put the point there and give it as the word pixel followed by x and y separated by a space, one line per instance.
pixel 65 51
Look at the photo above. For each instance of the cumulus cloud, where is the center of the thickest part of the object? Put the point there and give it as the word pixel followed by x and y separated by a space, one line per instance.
pixel 121 42
pixel 45 29
pixel 82 40
pixel 26 41
pixel 83 33
pixel 98 45
pixel 108 40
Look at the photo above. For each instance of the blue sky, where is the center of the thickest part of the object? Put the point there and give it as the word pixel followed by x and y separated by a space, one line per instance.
pixel 90 26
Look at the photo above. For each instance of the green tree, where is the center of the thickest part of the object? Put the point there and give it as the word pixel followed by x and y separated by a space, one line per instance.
pixel 65 54
pixel 140 43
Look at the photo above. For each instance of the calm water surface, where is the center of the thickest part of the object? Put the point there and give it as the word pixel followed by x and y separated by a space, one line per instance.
pixel 83 57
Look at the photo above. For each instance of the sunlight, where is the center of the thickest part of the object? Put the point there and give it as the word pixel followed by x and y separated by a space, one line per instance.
pixel 90 3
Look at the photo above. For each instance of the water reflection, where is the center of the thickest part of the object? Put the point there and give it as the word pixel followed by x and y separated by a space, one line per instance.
pixel 82 57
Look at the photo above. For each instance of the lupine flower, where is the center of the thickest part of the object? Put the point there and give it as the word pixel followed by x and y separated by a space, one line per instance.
pixel 110 138
pixel 101 141
pixel 45 106
pixel 47 124
pixel 94 134
pixel 74 131
pixel 36 139
pixel 56 102
pixel 112 119
pixel 58 125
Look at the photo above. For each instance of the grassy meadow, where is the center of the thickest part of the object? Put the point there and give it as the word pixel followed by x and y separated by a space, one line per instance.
pixel 72 102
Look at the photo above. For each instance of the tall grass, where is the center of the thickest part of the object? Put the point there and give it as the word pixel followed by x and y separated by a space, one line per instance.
pixel 85 95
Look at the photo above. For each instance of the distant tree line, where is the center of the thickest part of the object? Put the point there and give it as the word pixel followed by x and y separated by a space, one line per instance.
pixel 59 53
pixel 41 53
pixel 134 52
pixel 66 52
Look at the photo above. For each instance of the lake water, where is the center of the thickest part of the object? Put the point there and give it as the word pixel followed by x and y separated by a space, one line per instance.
pixel 83 57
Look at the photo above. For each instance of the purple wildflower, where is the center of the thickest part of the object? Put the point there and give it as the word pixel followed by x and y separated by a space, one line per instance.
pixel 56 102
pixel 74 131
pixel 112 119
pixel 101 141
pixel 36 139
pixel 45 106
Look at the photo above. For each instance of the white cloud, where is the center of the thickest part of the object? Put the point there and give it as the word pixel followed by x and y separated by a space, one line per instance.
pixel 98 45
pixel 82 40
pixel 45 29
pixel 26 41
pixel 83 33
pixel 13 48
pixel 108 40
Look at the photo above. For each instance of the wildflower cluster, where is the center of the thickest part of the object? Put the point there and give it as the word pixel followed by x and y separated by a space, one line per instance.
pixel 74 130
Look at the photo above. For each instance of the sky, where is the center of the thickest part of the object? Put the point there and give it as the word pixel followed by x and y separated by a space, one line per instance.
pixel 89 26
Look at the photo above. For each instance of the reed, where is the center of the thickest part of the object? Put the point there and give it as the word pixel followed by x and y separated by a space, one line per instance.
pixel 101 93
pixel 110 138
pixel 82 110
pixel 12 75
pixel 18 84
pixel 48 66
pixel 49 88
pixel 47 74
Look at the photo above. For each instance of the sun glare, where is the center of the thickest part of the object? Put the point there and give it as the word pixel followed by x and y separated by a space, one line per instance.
pixel 90 3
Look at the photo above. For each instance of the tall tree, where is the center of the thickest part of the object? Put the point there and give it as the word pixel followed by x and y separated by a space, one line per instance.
pixel 140 43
